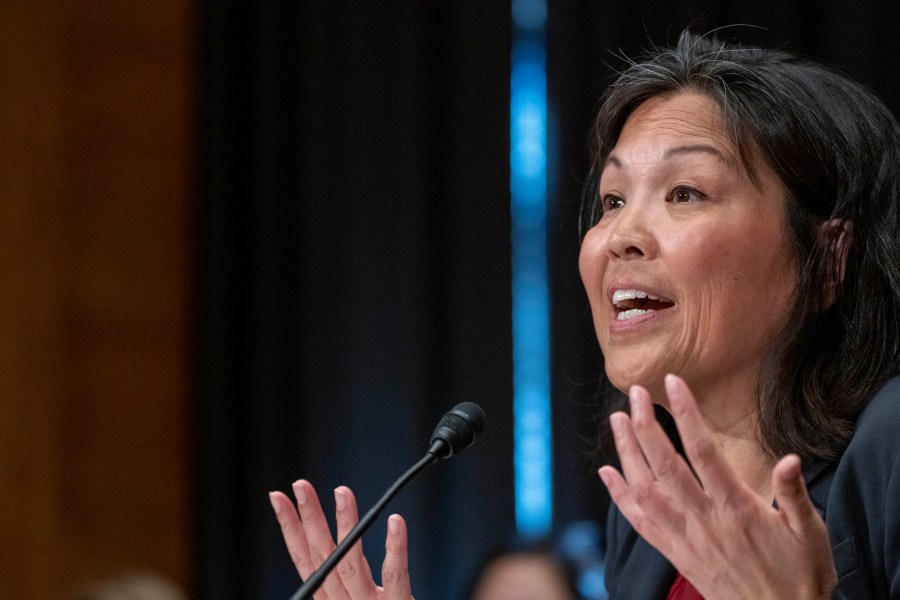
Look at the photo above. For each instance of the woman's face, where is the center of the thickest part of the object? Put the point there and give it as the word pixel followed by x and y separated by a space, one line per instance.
pixel 689 270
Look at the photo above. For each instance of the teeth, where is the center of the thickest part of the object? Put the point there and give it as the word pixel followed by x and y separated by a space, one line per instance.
pixel 620 295
pixel 630 314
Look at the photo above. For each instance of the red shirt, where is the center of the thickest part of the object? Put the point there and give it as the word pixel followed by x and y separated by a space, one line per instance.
pixel 683 590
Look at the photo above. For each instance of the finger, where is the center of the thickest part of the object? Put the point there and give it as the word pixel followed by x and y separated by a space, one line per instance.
pixel 619 492
pixel 395 570
pixel 633 512
pixel 793 498
pixel 668 467
pixel 634 467
pixel 644 503
pixel 354 568
pixel 292 531
pixel 318 536
pixel 717 477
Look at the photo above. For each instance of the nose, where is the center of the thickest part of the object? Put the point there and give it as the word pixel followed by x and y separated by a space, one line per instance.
pixel 631 235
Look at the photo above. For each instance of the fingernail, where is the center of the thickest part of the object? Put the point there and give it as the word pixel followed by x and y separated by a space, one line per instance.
pixel 394 525
pixel 671 383
pixel 602 477
pixel 794 471
pixel 340 501
pixel 275 505
pixel 299 493
pixel 616 424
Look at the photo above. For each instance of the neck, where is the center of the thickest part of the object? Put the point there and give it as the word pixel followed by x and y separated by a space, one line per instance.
pixel 742 450
pixel 729 410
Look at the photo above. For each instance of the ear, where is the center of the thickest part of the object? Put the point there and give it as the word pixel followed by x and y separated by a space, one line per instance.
pixel 836 236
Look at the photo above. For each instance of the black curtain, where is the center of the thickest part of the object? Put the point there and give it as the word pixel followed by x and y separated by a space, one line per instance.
pixel 356 276
pixel 355 268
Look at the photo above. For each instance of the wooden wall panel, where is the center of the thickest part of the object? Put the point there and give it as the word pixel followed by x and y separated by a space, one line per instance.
pixel 96 203
pixel 31 266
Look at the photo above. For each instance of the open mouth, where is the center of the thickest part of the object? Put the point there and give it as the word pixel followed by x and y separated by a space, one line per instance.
pixel 634 303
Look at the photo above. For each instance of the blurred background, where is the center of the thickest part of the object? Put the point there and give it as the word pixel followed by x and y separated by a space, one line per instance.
pixel 247 242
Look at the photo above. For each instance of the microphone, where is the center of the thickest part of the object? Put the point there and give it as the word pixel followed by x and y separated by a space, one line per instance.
pixel 454 433
pixel 457 430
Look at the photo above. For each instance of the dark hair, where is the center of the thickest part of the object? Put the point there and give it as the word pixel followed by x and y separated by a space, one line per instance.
pixel 836 150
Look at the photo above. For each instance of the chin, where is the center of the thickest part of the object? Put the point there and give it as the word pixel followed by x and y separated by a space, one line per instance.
pixel 623 377
pixel 618 382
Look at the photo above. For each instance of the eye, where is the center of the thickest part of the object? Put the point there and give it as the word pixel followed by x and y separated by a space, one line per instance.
pixel 683 194
pixel 612 202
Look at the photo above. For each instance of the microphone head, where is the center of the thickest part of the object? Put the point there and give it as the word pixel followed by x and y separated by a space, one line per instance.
pixel 457 430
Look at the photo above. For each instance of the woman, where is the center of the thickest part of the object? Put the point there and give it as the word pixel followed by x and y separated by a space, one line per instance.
pixel 757 196
pixel 741 261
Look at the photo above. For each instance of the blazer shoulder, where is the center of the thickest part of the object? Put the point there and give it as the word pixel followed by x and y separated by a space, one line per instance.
pixel 875 434
pixel 861 498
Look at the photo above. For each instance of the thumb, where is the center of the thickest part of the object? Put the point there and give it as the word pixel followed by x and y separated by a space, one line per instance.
pixel 793 497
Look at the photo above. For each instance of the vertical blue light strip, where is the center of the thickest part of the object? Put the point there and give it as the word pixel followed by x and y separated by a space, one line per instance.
pixel 530 295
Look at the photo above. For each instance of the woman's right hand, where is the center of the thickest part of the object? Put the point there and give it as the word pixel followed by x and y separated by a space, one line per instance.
pixel 309 542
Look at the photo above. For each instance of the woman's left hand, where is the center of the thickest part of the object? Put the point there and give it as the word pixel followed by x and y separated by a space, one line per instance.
pixel 717 531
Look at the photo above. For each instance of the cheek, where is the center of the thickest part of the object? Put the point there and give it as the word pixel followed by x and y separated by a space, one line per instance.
pixel 738 284
pixel 717 259
pixel 759 264
pixel 592 262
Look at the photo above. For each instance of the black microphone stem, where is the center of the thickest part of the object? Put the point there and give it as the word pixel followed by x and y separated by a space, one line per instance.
pixel 315 580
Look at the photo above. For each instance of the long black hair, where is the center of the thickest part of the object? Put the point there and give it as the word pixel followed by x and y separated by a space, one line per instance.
pixel 836 150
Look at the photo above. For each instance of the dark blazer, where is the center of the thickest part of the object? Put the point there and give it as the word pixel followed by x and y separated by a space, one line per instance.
pixel 858 494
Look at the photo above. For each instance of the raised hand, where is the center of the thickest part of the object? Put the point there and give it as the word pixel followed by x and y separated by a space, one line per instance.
pixel 309 542
pixel 717 531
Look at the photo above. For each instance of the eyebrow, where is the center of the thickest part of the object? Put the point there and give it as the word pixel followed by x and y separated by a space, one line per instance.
pixel 678 151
